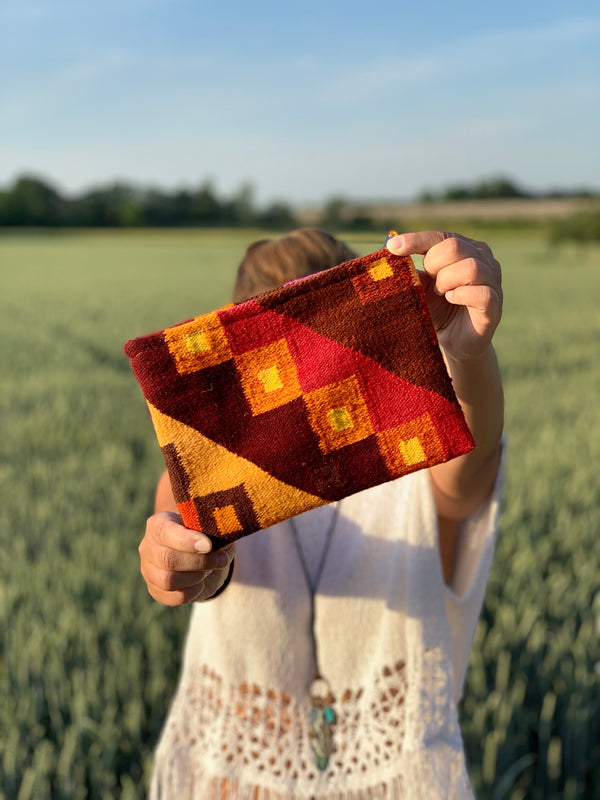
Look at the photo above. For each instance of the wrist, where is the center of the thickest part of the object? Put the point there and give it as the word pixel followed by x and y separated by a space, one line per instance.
pixel 474 360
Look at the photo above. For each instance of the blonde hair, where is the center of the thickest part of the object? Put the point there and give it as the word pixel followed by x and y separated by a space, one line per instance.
pixel 269 263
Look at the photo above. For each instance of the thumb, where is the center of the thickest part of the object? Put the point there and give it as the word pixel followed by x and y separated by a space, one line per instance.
pixel 407 244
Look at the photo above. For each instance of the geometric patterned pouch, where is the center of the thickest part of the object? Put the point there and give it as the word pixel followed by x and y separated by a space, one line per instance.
pixel 300 396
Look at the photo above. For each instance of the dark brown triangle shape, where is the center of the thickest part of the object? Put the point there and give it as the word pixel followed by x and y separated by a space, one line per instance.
pixel 404 344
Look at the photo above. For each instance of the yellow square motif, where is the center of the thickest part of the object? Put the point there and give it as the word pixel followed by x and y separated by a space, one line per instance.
pixel 412 451
pixel 268 376
pixel 227 520
pixel 197 344
pixel 411 445
pixel 270 379
pixel 340 419
pixel 338 414
pixel 380 269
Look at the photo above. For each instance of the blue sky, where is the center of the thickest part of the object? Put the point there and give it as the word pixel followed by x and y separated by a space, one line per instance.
pixel 305 101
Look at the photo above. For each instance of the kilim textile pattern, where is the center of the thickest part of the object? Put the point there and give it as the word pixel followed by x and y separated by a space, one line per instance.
pixel 300 396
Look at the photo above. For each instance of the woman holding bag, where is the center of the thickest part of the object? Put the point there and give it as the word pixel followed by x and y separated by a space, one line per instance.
pixel 376 596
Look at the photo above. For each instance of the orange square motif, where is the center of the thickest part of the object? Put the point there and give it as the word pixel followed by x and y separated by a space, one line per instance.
pixel 379 278
pixel 268 376
pixel 227 520
pixel 411 446
pixel 338 414
pixel 198 344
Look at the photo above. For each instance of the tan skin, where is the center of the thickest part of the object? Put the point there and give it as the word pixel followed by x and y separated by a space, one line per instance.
pixel 462 282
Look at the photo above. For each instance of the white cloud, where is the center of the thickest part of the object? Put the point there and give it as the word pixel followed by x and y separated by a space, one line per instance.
pixel 365 79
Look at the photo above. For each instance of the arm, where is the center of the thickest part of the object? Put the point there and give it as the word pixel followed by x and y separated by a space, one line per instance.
pixel 462 283
pixel 461 485
pixel 178 564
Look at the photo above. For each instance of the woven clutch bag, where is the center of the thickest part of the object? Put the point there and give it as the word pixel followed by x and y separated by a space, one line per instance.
pixel 300 396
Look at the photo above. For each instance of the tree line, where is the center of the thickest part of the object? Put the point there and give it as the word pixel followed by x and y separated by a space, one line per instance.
pixel 495 188
pixel 31 201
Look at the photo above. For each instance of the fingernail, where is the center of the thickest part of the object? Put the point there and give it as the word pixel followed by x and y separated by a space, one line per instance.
pixel 395 243
pixel 449 295
pixel 202 545
pixel 222 559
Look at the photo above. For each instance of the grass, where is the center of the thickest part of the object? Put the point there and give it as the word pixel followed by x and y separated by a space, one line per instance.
pixel 88 662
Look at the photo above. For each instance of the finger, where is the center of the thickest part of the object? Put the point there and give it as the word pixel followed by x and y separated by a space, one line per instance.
pixel 168 581
pixel 454 248
pixel 468 272
pixel 407 244
pixel 481 299
pixel 167 530
pixel 171 560
pixel 176 598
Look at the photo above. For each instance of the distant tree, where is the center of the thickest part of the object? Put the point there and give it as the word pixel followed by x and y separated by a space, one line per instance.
pixel 205 207
pixel 131 214
pixel 457 192
pixel 360 220
pixel 240 209
pixel 31 201
pixel 4 211
pixel 333 216
pixel 183 207
pixel 582 193
pixel 159 209
pixel 277 216
pixel 112 206
pixel 498 188
pixel 487 189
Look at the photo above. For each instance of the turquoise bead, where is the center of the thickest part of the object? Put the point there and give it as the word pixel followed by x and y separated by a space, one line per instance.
pixel 329 714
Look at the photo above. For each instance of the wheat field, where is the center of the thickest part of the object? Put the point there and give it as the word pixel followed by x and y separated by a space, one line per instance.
pixel 88 662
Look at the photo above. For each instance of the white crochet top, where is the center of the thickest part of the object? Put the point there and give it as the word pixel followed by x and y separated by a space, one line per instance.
pixel 394 644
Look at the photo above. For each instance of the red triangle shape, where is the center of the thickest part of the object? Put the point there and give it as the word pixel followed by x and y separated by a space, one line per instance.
pixel 320 361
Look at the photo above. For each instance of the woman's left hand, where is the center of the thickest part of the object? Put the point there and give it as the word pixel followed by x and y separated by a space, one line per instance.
pixel 463 287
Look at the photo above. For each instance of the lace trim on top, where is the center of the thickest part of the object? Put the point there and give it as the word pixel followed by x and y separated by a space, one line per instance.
pixel 262 735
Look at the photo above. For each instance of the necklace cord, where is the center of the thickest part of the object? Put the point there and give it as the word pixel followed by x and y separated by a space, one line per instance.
pixel 313 587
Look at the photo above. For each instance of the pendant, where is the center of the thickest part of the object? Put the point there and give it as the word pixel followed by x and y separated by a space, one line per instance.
pixel 322 720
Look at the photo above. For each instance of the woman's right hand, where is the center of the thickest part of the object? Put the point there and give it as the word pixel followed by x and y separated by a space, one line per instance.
pixel 178 564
